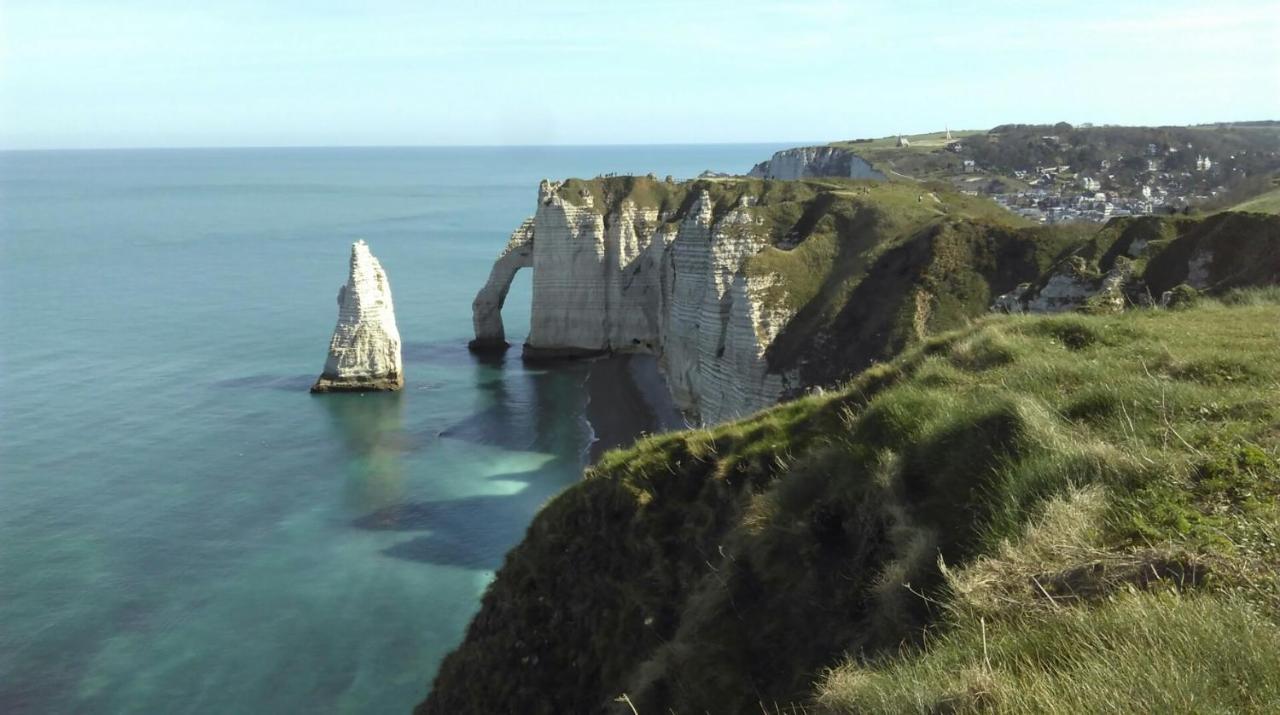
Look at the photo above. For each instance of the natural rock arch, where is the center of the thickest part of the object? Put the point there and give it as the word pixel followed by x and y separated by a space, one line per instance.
pixel 486 309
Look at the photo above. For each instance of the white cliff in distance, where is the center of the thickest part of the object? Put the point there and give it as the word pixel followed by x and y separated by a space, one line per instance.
pixel 632 280
pixel 364 353
pixel 815 161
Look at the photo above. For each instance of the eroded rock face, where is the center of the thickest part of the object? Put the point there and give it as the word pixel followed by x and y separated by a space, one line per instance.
pixel 486 309
pixel 1071 287
pixel 814 161
pixel 364 353
pixel 632 282
pixel 718 326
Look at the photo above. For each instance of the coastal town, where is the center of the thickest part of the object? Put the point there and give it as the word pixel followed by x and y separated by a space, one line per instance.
pixel 1057 193
pixel 1053 173
pixel 1162 180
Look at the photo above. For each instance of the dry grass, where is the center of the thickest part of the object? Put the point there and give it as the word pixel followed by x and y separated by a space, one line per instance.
pixel 1132 653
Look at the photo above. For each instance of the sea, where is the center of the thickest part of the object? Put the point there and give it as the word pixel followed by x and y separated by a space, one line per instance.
pixel 183 527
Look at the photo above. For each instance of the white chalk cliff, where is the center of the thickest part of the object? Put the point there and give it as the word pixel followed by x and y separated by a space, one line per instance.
pixel 634 281
pixel 813 161
pixel 364 353
pixel 486 310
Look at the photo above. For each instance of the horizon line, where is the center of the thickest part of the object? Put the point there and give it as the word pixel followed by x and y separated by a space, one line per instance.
pixel 402 146
pixel 175 147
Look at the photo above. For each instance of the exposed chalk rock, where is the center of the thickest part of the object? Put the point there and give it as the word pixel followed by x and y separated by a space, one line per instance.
pixel 1013 301
pixel 486 310
pixel 364 353
pixel 718 326
pixel 814 161
pixel 631 281
pixel 1198 269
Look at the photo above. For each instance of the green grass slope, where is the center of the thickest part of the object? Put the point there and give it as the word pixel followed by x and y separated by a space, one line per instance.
pixel 1267 203
pixel 1076 513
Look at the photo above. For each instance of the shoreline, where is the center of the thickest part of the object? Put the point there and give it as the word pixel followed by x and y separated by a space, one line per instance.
pixel 627 398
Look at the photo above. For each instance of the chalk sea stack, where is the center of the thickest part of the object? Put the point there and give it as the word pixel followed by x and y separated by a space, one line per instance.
pixel 364 354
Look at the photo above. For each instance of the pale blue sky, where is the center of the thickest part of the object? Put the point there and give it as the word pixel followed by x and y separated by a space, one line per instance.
pixel 116 73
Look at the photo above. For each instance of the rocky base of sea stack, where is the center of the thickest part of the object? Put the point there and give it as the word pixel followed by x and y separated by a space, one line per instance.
pixel 533 354
pixel 381 383
pixel 487 345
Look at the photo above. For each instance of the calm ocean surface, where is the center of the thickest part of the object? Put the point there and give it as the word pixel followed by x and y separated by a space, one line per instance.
pixel 183 528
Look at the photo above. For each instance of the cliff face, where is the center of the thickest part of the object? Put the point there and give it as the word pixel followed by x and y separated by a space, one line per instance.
pixel 815 161
pixel 749 290
pixel 752 290
pixel 364 352
pixel 635 278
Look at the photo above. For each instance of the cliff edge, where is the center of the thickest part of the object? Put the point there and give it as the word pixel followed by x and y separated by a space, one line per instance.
pixel 1065 513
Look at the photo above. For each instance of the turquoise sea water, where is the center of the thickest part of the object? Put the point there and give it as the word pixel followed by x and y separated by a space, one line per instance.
pixel 183 528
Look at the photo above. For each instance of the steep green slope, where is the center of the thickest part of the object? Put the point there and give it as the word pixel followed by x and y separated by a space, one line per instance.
pixel 1268 203
pixel 875 285
pixel 1050 513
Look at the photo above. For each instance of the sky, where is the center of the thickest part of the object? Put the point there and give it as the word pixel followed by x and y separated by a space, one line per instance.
pixel 177 73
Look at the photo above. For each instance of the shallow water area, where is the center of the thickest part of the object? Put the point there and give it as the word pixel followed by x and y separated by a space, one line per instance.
pixel 183 527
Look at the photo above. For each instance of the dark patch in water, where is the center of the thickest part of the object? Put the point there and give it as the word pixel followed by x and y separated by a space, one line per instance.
pixel 471 532
pixel 527 412
pixel 445 352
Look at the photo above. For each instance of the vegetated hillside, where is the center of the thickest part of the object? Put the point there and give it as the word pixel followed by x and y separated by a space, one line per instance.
pixel 1236 151
pixel 1072 513
pixel 1244 148
pixel 1056 171
pixel 871 288
pixel 1267 203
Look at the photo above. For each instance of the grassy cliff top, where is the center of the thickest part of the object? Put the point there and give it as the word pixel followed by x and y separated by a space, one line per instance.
pixel 774 201
pixel 1052 514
